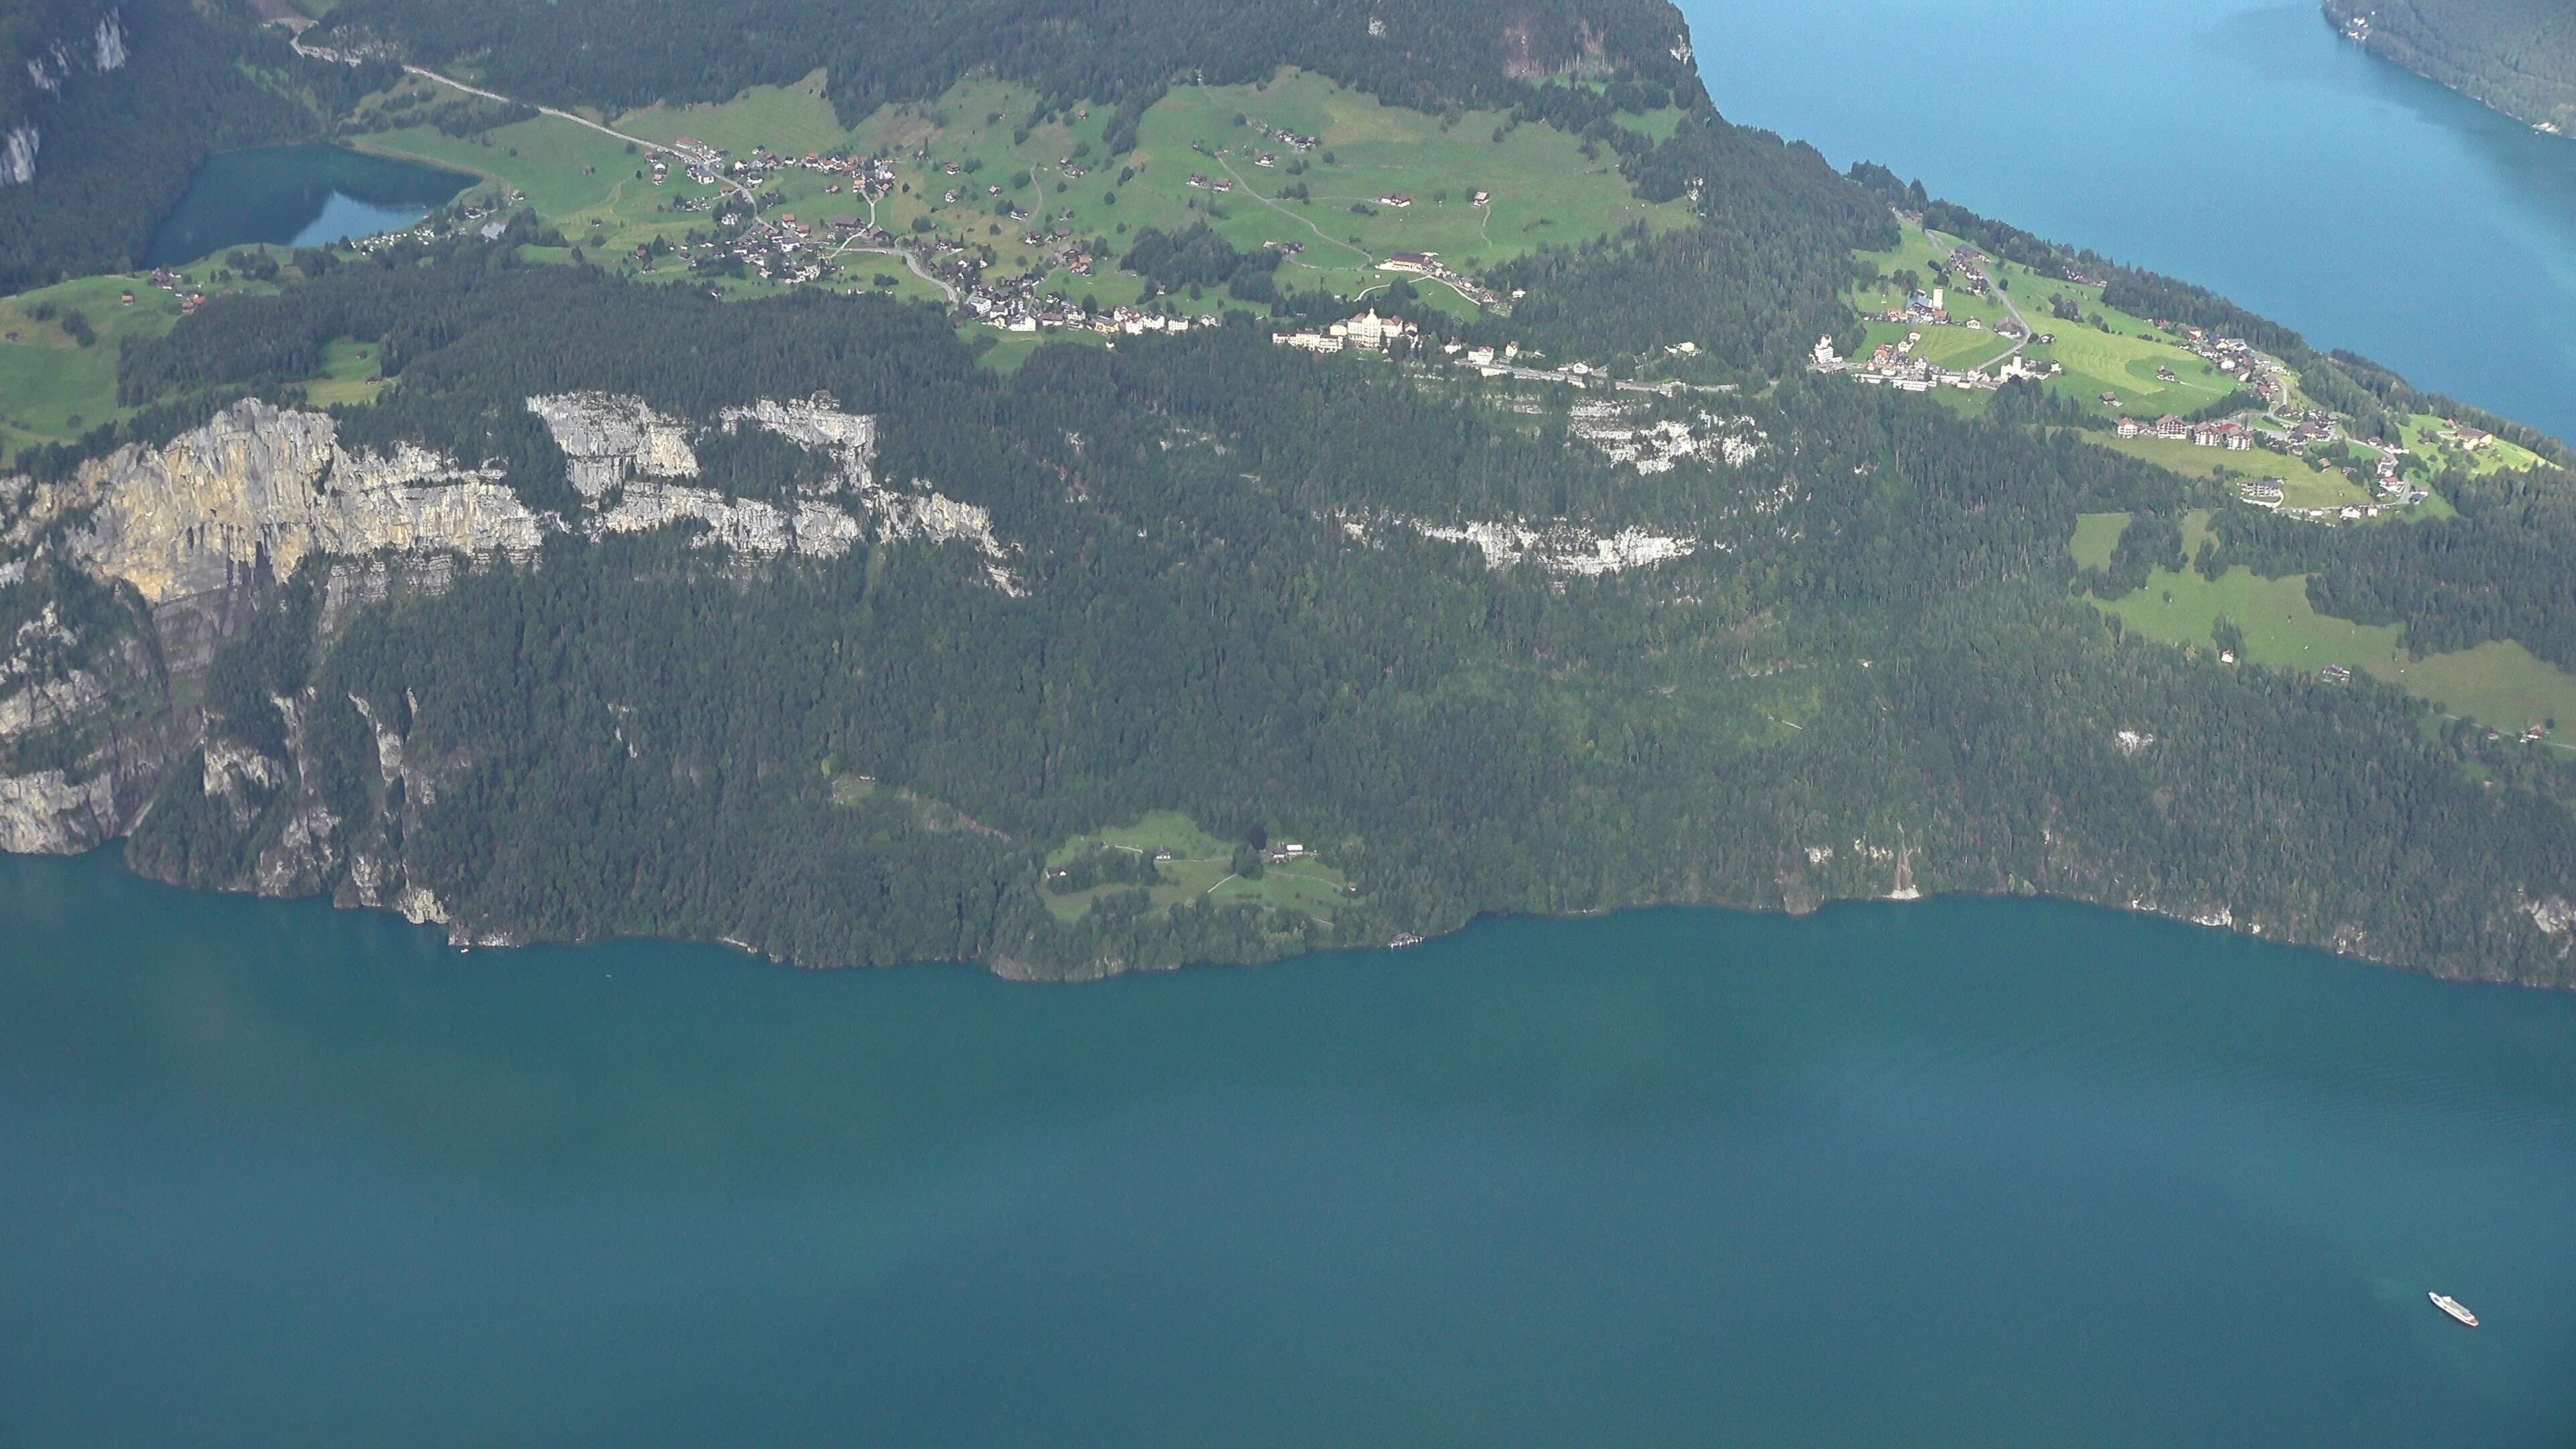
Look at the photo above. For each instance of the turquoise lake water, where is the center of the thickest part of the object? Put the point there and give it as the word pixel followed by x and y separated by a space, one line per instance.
pixel 2243 146
pixel 1955 1173
pixel 297 196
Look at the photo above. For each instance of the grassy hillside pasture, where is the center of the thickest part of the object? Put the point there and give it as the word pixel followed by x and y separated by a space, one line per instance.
pixel 1059 173
pixel 602 197
pixel 2423 435
pixel 2303 484
pixel 347 366
pixel 974 127
pixel 2120 356
pixel 1544 190
pixel 1952 347
pixel 1917 251
pixel 2125 364
pixel 51 388
pixel 2498 684
pixel 564 168
pixel 792 120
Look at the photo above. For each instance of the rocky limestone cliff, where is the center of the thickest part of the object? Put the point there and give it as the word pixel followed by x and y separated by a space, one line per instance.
pixel 1558 546
pixel 18 154
pixel 263 488
pixel 608 439
pixel 191 534
pixel 259 487
pixel 84 733
pixel 623 458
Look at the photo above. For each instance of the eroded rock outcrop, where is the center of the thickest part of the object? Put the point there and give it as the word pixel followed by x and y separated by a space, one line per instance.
pixel 84 732
pixel 1558 546
pixel 607 439
pixel 187 536
pixel 261 487
pixel 629 464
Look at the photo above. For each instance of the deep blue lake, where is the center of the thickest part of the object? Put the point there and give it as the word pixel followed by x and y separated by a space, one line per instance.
pixel 1962 1172
pixel 297 196
pixel 2240 144
pixel 1954 1173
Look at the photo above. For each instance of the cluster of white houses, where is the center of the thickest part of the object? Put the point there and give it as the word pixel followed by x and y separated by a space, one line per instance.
pixel 1367 332
pixel 1897 365
pixel 2235 437
pixel 2237 359
pixel 866 176
pixel 2268 492
pixel 1024 309
pixel 1285 137
pixel 1921 309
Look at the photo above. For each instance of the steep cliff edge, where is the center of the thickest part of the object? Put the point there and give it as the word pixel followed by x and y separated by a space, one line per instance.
pixel 118 585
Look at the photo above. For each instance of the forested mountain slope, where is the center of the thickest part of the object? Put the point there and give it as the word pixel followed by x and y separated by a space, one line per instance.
pixel 1296 601
pixel 613 606
pixel 2518 56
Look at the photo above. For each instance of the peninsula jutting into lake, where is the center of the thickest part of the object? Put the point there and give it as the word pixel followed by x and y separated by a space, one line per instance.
pixel 1204 497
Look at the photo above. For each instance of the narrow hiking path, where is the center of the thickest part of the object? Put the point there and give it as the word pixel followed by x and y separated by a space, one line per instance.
pixel 1308 222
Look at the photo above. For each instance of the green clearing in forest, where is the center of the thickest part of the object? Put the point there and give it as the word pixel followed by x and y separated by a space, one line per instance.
pixel 2096 534
pixel 52 388
pixel 1202 869
pixel 1957 348
pixel 2423 436
pixel 347 367
pixel 2499 684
